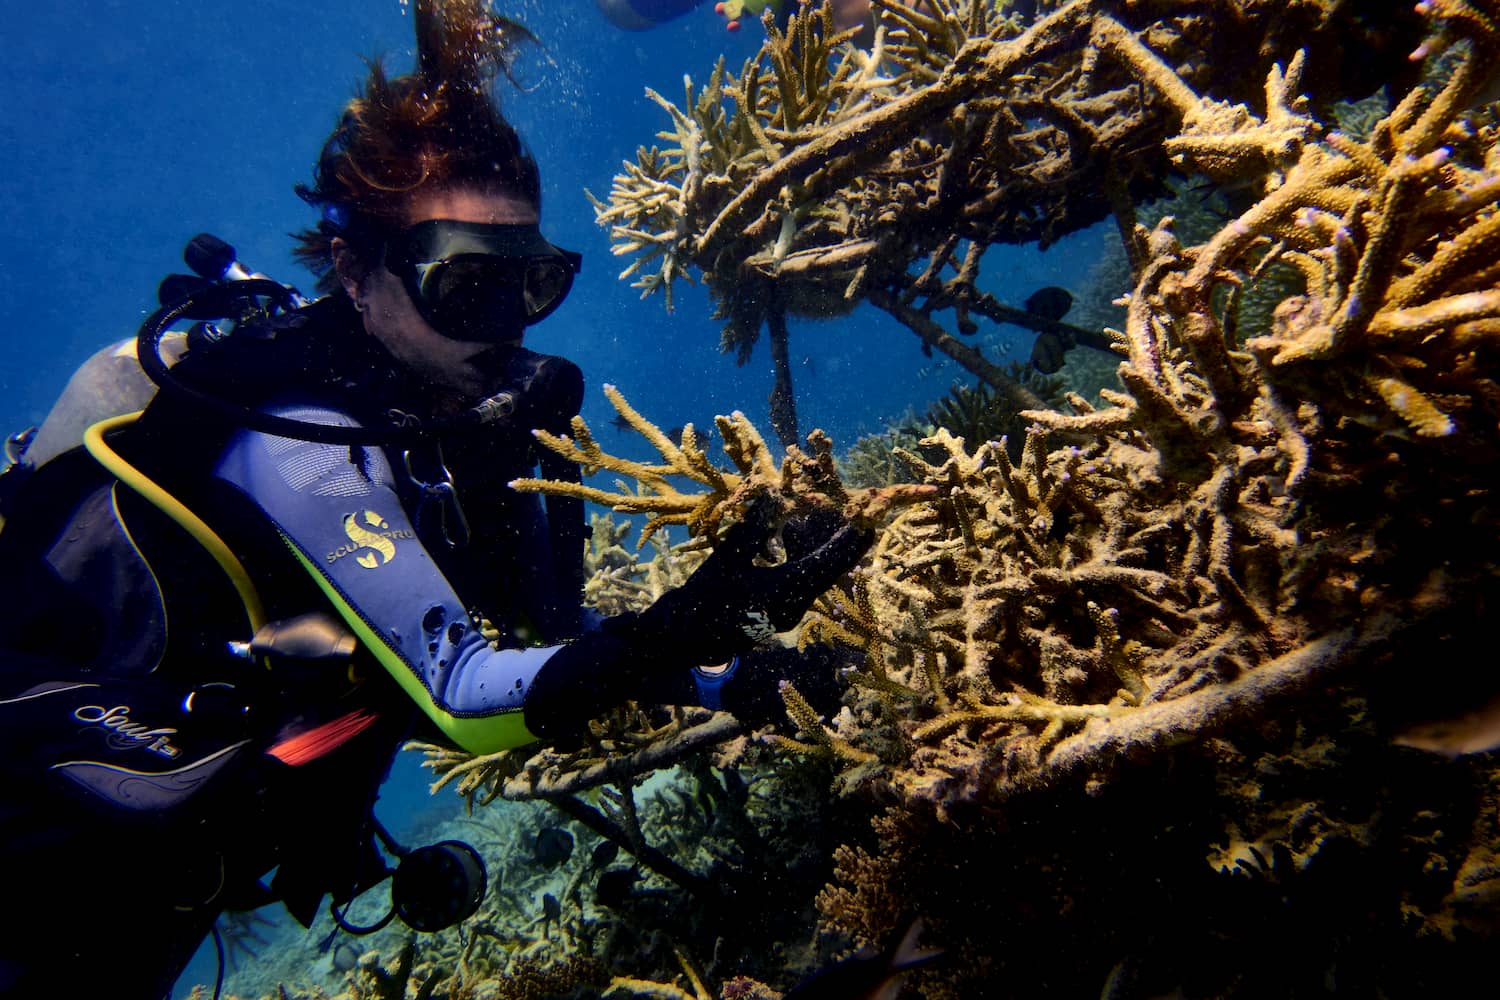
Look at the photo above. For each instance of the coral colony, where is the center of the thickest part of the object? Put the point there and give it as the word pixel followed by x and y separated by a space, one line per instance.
pixel 1129 717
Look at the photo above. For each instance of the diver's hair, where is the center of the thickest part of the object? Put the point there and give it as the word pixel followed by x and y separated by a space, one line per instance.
pixel 437 127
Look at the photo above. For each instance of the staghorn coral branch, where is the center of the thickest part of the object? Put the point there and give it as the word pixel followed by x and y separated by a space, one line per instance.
pixel 1202 714
pixel 809 724
pixel 1022 711
pixel 1436 315
pixel 548 783
pixel 656 495
pixel 628 836
pixel 934 335
pixel 979 59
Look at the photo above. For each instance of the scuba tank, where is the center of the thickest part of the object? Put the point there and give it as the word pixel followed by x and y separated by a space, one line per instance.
pixel 114 381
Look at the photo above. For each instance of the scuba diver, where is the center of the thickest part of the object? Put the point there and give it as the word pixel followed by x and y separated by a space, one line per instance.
pixel 225 613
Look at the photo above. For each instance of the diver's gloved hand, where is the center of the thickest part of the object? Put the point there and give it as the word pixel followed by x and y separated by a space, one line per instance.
pixel 730 604
pixel 749 686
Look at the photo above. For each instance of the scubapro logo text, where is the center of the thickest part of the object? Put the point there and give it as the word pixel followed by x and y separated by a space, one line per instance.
pixel 372 541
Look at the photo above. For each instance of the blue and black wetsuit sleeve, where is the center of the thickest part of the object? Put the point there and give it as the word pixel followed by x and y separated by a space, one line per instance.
pixel 338 512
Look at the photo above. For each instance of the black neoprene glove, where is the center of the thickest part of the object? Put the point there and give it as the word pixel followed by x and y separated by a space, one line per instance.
pixel 728 606
pixel 752 692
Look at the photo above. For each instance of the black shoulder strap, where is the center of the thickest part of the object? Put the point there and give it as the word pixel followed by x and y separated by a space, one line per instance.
pixel 35 503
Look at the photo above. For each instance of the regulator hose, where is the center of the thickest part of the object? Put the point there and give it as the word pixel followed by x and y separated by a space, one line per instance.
pixel 148 351
pixel 93 440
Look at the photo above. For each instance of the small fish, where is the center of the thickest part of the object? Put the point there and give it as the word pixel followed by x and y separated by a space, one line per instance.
pixel 1472 732
pixel 1222 201
pixel 604 852
pixel 551 908
pixel 868 975
pixel 553 846
pixel 615 886
pixel 1049 352
pixel 1051 302
pixel 701 435
pixel 345 958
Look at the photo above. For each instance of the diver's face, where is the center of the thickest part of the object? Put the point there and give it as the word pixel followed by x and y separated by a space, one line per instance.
pixel 390 317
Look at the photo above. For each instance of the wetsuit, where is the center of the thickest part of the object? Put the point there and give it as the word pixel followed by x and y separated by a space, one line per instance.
pixel 140 822
pixel 173 775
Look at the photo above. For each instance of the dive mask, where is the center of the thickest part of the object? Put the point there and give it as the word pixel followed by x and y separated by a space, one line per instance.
pixel 480 281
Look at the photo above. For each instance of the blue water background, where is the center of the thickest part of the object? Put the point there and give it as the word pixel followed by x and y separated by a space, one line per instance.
pixel 129 126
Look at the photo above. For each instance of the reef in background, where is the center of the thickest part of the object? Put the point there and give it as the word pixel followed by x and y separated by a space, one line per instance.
pixel 824 175
pixel 1156 664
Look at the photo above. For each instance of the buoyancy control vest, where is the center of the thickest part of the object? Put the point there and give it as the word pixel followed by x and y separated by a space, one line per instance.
pixel 77 544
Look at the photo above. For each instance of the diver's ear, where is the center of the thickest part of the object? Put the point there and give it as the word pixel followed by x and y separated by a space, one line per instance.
pixel 346 264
